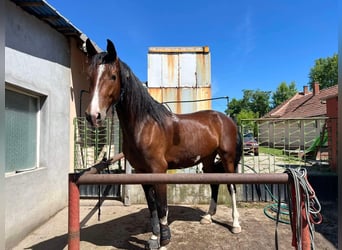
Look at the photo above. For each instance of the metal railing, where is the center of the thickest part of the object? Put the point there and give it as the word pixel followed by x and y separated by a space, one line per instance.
pixel 287 143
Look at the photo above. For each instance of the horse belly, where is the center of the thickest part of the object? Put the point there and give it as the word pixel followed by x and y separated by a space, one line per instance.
pixel 190 151
pixel 188 156
pixel 183 164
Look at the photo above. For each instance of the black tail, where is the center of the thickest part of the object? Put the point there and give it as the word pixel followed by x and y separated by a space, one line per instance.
pixel 218 166
pixel 239 150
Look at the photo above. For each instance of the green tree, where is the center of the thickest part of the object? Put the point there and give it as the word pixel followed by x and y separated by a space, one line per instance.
pixel 256 101
pixel 234 108
pixel 242 120
pixel 325 72
pixel 283 92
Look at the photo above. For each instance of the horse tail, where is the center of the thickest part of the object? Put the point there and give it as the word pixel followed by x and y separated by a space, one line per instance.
pixel 239 150
pixel 218 166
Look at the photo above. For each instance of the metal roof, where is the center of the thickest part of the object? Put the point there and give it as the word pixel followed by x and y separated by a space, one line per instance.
pixel 45 12
pixel 196 49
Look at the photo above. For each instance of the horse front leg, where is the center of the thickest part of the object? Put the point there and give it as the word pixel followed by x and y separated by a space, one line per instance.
pixel 161 201
pixel 152 206
pixel 210 166
pixel 235 214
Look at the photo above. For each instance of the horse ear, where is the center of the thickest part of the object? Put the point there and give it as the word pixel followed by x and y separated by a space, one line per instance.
pixel 91 51
pixel 111 49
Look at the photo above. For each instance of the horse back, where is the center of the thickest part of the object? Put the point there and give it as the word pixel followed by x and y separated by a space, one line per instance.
pixel 213 120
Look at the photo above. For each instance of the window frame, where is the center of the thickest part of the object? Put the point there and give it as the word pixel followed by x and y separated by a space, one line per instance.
pixel 39 99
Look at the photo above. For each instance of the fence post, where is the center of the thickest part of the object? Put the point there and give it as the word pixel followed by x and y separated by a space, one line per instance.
pixel 126 187
pixel 304 234
pixel 73 215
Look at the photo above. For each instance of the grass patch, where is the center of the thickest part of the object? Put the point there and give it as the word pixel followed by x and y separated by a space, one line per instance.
pixel 271 151
pixel 279 153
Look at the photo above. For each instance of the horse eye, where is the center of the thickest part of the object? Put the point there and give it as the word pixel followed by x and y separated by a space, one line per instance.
pixel 113 77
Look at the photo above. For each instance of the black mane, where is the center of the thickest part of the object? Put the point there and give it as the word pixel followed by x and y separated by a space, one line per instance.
pixel 100 58
pixel 137 100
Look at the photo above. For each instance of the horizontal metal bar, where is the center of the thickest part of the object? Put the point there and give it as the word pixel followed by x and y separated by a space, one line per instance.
pixel 212 178
pixel 198 100
pixel 97 168
pixel 286 119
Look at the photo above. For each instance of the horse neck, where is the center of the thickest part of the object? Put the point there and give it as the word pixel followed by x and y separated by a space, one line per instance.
pixel 125 115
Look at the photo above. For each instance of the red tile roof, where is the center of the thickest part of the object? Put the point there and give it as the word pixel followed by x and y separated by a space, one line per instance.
pixel 303 105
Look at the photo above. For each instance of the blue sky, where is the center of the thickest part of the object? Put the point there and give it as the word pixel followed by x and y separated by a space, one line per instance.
pixel 253 44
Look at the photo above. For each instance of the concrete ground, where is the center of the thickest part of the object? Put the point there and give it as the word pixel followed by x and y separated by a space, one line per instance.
pixel 127 227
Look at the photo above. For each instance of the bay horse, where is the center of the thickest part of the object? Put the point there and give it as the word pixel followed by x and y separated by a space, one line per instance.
pixel 155 139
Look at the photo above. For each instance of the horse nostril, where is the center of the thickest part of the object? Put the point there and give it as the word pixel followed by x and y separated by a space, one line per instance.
pixel 88 118
pixel 93 120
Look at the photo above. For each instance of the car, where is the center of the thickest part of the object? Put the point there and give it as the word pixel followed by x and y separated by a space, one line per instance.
pixel 250 144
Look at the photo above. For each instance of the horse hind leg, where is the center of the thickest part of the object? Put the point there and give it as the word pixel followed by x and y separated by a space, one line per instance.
pixel 235 214
pixel 229 164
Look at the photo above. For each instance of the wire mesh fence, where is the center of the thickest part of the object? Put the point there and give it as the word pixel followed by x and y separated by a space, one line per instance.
pixel 91 144
pixel 283 143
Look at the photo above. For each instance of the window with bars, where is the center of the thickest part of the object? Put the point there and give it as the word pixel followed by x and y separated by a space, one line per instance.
pixel 22 131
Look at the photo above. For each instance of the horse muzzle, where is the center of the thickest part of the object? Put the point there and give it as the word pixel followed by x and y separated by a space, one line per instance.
pixel 95 120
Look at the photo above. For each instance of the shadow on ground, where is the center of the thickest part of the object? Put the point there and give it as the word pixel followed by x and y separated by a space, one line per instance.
pixel 121 232
pixel 329 227
pixel 129 228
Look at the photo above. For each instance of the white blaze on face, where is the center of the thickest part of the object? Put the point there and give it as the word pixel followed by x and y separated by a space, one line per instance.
pixel 95 104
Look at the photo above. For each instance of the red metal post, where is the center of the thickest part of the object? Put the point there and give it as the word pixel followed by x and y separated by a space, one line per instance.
pixel 73 215
pixel 305 231
pixel 306 242
pixel 294 216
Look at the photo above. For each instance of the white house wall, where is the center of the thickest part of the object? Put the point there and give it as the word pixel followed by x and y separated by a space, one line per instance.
pixel 37 59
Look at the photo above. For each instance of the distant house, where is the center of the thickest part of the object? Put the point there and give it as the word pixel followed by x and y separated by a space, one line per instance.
pixel 304 104
pixel 304 119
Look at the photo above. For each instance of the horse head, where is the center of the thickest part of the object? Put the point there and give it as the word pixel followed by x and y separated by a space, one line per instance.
pixel 105 82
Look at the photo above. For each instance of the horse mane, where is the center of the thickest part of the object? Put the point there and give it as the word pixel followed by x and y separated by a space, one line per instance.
pixel 100 58
pixel 137 99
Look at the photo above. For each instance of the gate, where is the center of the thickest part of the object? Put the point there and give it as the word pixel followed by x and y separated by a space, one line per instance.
pixel 281 144
pixel 91 145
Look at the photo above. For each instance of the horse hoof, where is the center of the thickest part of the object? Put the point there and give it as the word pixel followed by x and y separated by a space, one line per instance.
pixel 165 235
pixel 163 243
pixel 163 248
pixel 152 244
pixel 206 219
pixel 236 230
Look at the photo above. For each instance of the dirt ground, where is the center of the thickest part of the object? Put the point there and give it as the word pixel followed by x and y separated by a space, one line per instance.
pixel 128 227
